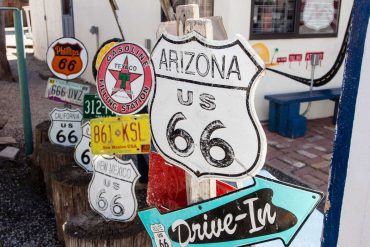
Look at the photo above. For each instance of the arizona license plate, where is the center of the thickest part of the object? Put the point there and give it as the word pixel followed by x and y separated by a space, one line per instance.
pixel 94 107
pixel 66 92
pixel 120 135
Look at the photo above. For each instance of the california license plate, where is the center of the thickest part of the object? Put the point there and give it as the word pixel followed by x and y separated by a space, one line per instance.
pixel 94 107
pixel 66 92
pixel 120 135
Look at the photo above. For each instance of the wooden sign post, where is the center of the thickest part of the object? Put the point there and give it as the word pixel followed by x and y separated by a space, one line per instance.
pixel 198 191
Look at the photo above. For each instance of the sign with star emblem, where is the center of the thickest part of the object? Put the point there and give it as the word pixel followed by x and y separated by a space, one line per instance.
pixel 67 58
pixel 202 113
pixel 125 78
pixel 120 135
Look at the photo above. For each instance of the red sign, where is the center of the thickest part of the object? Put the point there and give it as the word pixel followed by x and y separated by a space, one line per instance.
pixel 309 55
pixel 295 57
pixel 282 59
pixel 167 185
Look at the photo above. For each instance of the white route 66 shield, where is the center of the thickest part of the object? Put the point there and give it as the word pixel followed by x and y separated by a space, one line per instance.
pixel 65 128
pixel 83 153
pixel 202 112
pixel 112 189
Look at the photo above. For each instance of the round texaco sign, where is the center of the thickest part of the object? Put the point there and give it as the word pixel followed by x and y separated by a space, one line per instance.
pixel 125 78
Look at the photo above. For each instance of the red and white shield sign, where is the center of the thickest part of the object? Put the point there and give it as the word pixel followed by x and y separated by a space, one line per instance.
pixel 125 78
pixel 202 112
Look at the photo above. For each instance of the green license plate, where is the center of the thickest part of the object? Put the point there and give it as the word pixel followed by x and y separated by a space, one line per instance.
pixel 95 108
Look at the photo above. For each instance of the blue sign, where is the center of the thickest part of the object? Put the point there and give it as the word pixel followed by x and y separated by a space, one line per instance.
pixel 264 211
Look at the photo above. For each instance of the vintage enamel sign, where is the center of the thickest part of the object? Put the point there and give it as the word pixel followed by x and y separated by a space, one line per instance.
pixel 120 135
pixel 112 189
pixel 265 211
pixel 67 58
pixel 125 78
pixel 318 14
pixel 202 112
pixel 93 107
pixel 66 92
pixel 83 153
pixel 65 128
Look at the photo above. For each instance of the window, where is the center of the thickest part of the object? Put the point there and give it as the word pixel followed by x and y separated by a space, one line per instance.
pixel 294 18
pixel 205 7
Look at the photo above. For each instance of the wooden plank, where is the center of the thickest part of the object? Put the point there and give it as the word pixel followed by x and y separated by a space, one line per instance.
pixel 219 30
pixel 199 191
pixel 169 27
pixel 7 140
pixel 9 153
pixel 184 12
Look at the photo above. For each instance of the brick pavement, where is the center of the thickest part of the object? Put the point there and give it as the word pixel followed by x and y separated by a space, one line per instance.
pixel 306 159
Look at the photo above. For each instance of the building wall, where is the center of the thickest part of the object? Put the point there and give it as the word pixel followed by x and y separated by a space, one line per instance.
pixel 140 19
pixel 237 17
pixel 45 31
pixel 355 217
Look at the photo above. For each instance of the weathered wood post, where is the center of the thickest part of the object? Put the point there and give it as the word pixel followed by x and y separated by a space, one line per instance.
pixel 183 13
pixel 41 136
pixel 90 229
pixel 52 157
pixel 69 190
pixel 187 21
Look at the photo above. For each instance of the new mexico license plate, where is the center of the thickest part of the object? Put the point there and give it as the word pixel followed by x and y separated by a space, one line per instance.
pixel 95 108
pixel 66 92
pixel 120 135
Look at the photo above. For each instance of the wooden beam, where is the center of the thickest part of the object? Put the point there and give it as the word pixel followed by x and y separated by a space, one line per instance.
pixel 198 191
pixel 184 12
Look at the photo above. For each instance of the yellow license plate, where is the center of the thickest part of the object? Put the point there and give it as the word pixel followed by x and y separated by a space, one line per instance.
pixel 120 135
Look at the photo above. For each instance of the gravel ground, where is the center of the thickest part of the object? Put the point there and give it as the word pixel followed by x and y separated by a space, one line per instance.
pixel 10 105
pixel 26 217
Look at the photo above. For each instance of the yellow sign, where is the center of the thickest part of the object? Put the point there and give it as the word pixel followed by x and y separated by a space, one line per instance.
pixel 120 135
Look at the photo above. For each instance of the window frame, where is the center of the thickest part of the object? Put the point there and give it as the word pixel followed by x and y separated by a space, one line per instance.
pixel 295 34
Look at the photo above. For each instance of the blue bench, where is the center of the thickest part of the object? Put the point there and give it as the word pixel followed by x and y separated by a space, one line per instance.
pixel 284 117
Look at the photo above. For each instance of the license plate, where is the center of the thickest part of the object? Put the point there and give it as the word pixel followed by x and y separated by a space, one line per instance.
pixel 66 92
pixel 120 135
pixel 94 107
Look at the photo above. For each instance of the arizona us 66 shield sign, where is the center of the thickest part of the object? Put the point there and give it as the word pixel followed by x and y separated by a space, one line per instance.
pixel 125 78
pixel 202 112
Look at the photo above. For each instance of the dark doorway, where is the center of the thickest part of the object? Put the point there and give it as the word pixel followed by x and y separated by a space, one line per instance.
pixel 67 18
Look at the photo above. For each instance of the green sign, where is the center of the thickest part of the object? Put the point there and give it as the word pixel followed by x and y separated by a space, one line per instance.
pixel 94 107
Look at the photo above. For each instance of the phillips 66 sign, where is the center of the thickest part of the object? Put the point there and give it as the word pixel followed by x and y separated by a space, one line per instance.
pixel 202 112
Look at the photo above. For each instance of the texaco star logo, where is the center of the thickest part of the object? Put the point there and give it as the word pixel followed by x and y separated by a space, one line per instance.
pixel 125 78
